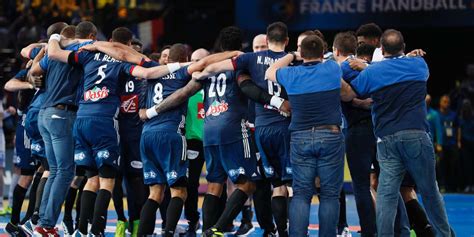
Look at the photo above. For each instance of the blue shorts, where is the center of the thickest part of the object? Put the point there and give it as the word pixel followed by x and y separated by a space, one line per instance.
pixel 273 144
pixel 96 142
pixel 130 161
pixel 31 128
pixel 235 160
pixel 23 159
pixel 164 157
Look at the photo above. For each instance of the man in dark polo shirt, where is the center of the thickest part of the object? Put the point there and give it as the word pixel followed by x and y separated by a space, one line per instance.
pixel 317 144
pixel 397 86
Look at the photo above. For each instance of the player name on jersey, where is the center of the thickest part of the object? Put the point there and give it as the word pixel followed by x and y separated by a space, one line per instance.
pixel 105 58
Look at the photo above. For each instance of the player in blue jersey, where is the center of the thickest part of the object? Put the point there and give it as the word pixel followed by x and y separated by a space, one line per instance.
pixel 224 134
pixel 167 165
pixel 398 87
pixel 271 133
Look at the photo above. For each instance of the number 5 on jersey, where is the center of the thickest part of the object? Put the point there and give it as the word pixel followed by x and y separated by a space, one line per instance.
pixel 101 74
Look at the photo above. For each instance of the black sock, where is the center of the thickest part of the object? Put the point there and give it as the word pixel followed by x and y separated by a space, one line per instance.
pixel 418 219
pixel 173 213
pixel 79 200
pixel 262 203
pixel 234 205
pixel 342 212
pixel 32 198
pixel 117 196
pixel 18 197
pixel 99 219
pixel 164 206
pixel 148 217
pixel 280 213
pixel 87 208
pixel 39 194
pixel 247 214
pixel 69 203
pixel 136 198
pixel 210 209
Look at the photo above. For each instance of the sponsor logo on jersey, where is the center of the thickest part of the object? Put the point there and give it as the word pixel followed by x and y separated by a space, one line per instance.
pixel 129 104
pixel 136 164
pixel 201 111
pixel 237 172
pixel 79 156
pixel 217 108
pixel 149 175
pixel 96 94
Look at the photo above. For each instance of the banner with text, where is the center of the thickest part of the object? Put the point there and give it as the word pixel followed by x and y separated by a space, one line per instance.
pixel 300 15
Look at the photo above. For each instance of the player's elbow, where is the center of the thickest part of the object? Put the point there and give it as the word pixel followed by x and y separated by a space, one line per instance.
pixel 25 52
pixel 270 74
pixel 9 86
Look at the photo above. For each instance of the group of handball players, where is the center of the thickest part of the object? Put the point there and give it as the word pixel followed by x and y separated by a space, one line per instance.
pixel 272 127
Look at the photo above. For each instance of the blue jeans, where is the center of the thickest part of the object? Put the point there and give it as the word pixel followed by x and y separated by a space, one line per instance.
pixel 361 152
pixel 412 151
pixel 56 129
pixel 316 153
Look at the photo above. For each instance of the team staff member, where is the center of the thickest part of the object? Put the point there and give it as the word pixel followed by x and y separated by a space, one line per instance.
pixel 317 144
pixel 397 86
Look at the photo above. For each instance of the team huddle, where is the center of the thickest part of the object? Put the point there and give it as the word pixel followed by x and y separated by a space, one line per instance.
pixel 271 126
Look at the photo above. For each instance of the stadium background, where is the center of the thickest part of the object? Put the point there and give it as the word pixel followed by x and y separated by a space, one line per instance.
pixel 443 28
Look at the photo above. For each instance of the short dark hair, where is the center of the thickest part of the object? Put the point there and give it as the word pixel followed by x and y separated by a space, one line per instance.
pixel 69 31
pixel 312 47
pixel 136 41
pixel 55 28
pixel 346 43
pixel 365 50
pixel 307 33
pixel 370 30
pixel 320 34
pixel 277 32
pixel 122 35
pixel 84 29
pixel 165 48
pixel 229 38
pixel 178 53
pixel 392 42
pixel 155 56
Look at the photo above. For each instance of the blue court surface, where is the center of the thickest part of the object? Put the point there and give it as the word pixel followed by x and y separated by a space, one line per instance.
pixel 460 209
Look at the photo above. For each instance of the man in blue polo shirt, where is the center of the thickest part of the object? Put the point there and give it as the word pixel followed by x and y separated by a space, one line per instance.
pixel 317 144
pixel 397 86
pixel 55 121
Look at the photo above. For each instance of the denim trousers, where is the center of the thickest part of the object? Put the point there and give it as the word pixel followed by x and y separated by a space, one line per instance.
pixel 316 153
pixel 408 151
pixel 55 126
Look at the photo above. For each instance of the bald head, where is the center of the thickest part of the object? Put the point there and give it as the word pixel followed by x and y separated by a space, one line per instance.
pixel 259 43
pixel 56 28
pixel 392 43
pixel 199 54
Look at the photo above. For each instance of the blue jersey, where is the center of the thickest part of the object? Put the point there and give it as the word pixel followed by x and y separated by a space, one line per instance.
pixel 101 80
pixel 397 86
pixel 34 52
pixel 226 110
pixel 314 92
pixel 131 97
pixel 257 64
pixel 352 114
pixel 62 81
pixel 24 96
pixel 37 100
pixel 159 89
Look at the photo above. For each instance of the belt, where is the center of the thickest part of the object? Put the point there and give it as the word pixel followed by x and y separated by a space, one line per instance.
pixel 332 128
pixel 66 107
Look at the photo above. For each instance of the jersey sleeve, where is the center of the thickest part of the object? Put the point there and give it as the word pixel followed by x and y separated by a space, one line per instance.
pixel 284 75
pixel 21 75
pixel 183 74
pixel 361 84
pixel 43 63
pixel 34 52
pixel 148 64
pixel 127 68
pixel 242 61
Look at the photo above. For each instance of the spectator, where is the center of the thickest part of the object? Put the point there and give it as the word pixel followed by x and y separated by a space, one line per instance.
pixel 450 155
pixel 466 144
pixel 434 120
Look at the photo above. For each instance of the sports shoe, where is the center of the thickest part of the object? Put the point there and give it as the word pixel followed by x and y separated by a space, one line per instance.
pixel 68 227
pixel 345 233
pixel 6 211
pixel 78 234
pixel 28 227
pixel 121 227
pixel 212 232
pixel 135 225
pixel 180 230
pixel 245 228
pixel 45 232
pixel 14 230
pixel 269 233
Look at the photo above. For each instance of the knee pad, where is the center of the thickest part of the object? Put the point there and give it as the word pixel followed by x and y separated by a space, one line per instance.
pixel 27 172
pixel 44 163
pixel 91 173
pixel 181 182
pixel 107 172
